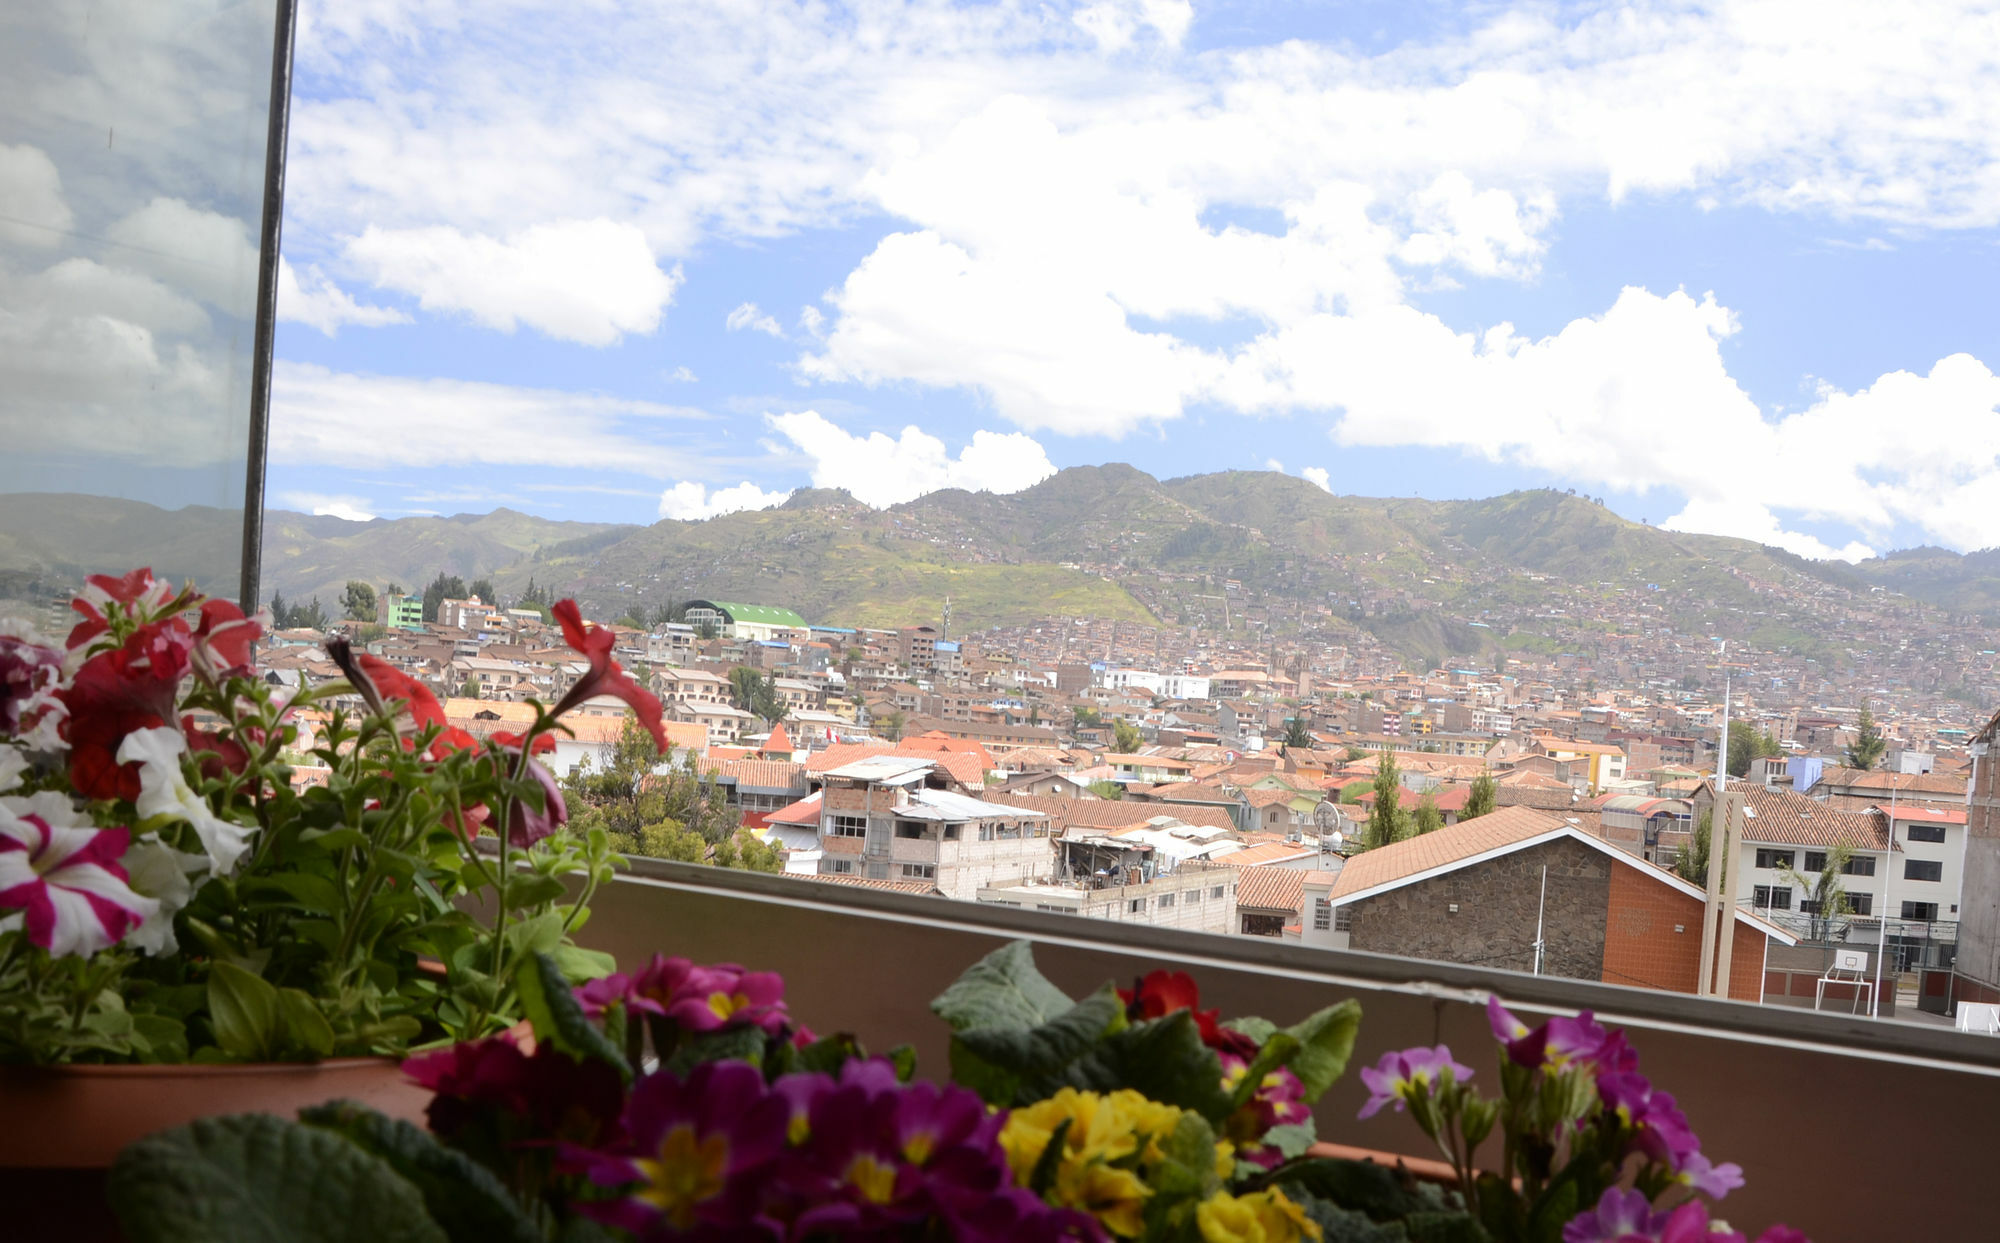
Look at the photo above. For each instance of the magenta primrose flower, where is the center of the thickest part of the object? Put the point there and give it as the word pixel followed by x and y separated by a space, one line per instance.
pixel 697 998
pixel 1627 1217
pixel 1396 1077
pixel 1662 1131
pixel 538 1097
pixel 1280 1101
pixel 698 1148
pixel 61 877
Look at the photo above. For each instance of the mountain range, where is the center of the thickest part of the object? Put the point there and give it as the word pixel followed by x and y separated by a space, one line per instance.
pixel 1276 552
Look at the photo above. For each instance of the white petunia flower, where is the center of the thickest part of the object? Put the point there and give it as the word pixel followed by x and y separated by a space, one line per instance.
pixel 164 792
pixel 164 874
pixel 13 766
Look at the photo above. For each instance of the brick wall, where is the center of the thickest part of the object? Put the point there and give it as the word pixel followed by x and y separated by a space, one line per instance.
pixel 1643 950
pixel 1979 903
pixel 1495 922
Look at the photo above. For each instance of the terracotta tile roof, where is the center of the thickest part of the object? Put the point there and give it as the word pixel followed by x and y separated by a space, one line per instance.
pixel 925 888
pixel 1794 819
pixel 844 753
pixel 761 774
pixel 1862 780
pixel 1271 889
pixel 1451 844
pixel 1926 815
pixel 803 812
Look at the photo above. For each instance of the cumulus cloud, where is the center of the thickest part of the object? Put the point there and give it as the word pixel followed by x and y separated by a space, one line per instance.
pixel 748 316
pixel 1116 24
pixel 314 300
pixel 321 505
pixel 324 417
pixel 1317 475
pixel 689 501
pixel 682 375
pixel 32 209
pixel 587 281
pixel 881 471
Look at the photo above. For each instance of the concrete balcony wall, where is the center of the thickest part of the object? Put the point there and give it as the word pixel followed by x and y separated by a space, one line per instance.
pixel 1916 1102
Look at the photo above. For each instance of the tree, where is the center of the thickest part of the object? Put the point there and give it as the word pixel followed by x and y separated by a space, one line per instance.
pixel 891 726
pixel 1429 818
pixel 1086 716
pixel 750 853
pixel 755 693
pixel 1386 816
pixel 1824 897
pixel 1747 745
pixel 1110 791
pixel 1869 743
pixel 1691 860
pixel 631 791
pixel 1297 735
pixel 359 600
pixel 483 588
pixel 470 690
pixel 1481 799
pixel 1124 737
pixel 440 590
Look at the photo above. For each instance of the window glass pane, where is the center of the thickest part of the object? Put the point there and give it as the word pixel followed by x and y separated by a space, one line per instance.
pixel 132 141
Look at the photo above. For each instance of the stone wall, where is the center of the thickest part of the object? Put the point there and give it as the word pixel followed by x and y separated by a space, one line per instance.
pixel 1497 901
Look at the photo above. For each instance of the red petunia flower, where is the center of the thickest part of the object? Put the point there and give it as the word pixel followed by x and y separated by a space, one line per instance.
pixel 606 677
pixel 392 683
pixel 225 641
pixel 1160 993
pixel 229 755
pixel 138 587
pixel 116 692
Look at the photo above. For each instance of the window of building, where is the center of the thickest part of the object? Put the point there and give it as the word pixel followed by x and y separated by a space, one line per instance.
pixel 920 871
pixel 1767 858
pixel 1215 892
pixel 1925 911
pixel 1343 919
pixel 985 832
pixel 1322 915
pixel 1860 903
pixel 1193 896
pixel 1136 905
pixel 1049 906
pixel 1166 900
pixel 951 832
pixel 1922 869
pixel 1772 897
pixel 1925 833
pixel 841 867
pixel 1860 865
pixel 847 826
pixel 908 829
pixel 1815 861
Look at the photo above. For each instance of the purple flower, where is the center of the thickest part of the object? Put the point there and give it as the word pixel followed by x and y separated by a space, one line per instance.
pixel 726 995
pixel 522 1097
pixel 1279 1101
pixel 696 1151
pixel 1525 1046
pixel 26 670
pixel 1395 1078
pixel 1619 1215
pixel 1660 1129
pixel 526 825
pixel 1715 1181
pixel 1574 1040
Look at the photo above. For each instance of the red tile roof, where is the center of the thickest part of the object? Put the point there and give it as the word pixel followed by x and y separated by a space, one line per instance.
pixel 1271 889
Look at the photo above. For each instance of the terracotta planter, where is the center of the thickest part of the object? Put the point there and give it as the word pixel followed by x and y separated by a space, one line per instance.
pixel 78 1117
pixel 1423 1169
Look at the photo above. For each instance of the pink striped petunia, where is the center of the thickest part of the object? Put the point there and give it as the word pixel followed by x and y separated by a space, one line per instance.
pixel 64 876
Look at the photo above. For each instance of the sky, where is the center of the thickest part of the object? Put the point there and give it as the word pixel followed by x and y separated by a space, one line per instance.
pixel 1727 267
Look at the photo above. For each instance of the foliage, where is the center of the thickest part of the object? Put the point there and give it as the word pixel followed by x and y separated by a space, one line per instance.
pixel 1107 789
pixel 243 917
pixel 1869 742
pixel 648 801
pixel 483 588
pixel 1481 798
pixel 1746 745
pixel 756 693
pixel 890 725
pixel 1691 858
pixel 1428 819
pixel 359 601
pixel 1124 737
pixel 1386 822
pixel 287 615
pixel 1824 893
pixel 1297 735
pixel 438 591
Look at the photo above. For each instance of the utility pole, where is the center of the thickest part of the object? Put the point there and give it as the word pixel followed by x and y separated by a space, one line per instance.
pixel 944 631
pixel 1718 922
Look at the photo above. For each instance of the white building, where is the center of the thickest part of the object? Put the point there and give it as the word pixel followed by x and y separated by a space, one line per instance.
pixel 896 817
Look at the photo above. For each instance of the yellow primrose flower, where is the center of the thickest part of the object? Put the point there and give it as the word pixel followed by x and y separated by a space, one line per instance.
pixel 1258 1217
pixel 1116 1197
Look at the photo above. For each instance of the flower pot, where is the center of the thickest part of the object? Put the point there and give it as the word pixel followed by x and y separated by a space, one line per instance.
pixel 1423 1169
pixel 78 1117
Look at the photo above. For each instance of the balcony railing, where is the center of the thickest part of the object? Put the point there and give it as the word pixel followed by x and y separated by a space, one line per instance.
pixel 869 962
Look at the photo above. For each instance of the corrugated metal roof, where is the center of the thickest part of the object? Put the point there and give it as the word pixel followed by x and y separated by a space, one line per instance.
pixel 944 805
pixel 886 768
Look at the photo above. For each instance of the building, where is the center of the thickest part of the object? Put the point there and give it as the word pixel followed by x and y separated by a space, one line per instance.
pixel 1976 972
pixel 902 817
pixel 1130 878
pixel 399 612
pixel 1522 890
pixel 728 620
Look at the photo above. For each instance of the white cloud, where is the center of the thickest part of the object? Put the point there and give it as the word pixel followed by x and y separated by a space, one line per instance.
pixel 327 418
pixel 881 471
pixel 314 300
pixel 1117 24
pixel 1750 520
pixel 748 316
pixel 812 320
pixel 587 281
pixel 321 505
pixel 32 209
pixel 689 501
pixel 683 375
pixel 1317 475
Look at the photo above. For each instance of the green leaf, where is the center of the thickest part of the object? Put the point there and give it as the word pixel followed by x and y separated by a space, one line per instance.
pixel 1279 1048
pixel 310 892
pixel 1002 989
pixel 258 1179
pixel 244 1011
pixel 829 1053
pixel 1456 1227
pixel 1293 1139
pixel 997 1061
pixel 462 1195
pixel 1382 1192
pixel 580 966
pixel 1259 1030
pixel 539 935
pixel 904 1058
pixel 1187 1166
pixel 745 1043
pixel 1343 1225
pixel 331 840
pixel 160 1038
pixel 1326 1042
pixel 1162 1059
pixel 550 1005
pixel 305 1028
pixel 1043 1176
pixel 525 891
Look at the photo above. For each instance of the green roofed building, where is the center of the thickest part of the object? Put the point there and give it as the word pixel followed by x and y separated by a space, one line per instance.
pixel 741 621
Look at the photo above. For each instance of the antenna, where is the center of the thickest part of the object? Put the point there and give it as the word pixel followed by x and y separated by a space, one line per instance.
pixel 944 631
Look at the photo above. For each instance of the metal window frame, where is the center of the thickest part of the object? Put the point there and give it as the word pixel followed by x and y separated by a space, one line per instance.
pixel 257 447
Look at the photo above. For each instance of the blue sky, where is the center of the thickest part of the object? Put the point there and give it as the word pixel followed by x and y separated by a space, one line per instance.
pixel 1728 267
